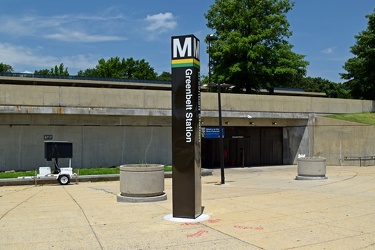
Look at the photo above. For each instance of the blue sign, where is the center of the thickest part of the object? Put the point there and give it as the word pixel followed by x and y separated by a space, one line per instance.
pixel 212 132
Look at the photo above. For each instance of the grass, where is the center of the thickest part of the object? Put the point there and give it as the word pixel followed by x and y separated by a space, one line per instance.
pixel 5 175
pixel 82 171
pixel 168 168
pixel 366 118
pixel 97 171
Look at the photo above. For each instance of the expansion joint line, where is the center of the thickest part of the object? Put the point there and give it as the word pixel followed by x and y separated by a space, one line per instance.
pixel 88 222
pixel 18 204
pixel 231 236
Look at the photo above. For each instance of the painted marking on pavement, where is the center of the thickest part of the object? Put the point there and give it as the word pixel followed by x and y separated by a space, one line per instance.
pixel 197 234
pixel 249 228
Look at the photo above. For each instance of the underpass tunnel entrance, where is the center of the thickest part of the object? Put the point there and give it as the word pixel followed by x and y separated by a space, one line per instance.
pixel 244 147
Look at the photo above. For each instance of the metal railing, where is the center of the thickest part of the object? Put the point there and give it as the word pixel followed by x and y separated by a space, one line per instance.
pixel 360 159
pixel 30 75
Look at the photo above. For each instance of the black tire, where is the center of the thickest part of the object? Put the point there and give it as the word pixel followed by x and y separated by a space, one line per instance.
pixel 64 179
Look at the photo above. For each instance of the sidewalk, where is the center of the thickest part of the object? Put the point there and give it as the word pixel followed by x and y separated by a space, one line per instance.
pixel 257 208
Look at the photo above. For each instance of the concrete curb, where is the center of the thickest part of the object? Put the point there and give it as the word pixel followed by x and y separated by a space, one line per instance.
pixel 81 178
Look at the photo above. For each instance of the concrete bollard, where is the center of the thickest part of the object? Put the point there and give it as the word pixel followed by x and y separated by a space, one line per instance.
pixel 311 168
pixel 141 183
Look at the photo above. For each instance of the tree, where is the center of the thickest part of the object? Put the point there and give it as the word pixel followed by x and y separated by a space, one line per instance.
pixel 5 68
pixel 361 68
pixel 250 48
pixel 165 76
pixel 125 68
pixel 204 79
pixel 318 84
pixel 56 71
pixel 143 71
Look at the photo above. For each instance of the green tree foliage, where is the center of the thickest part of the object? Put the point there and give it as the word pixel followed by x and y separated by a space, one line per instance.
pixel 165 76
pixel 204 79
pixel 318 84
pixel 5 68
pixel 56 71
pixel 250 48
pixel 125 68
pixel 361 68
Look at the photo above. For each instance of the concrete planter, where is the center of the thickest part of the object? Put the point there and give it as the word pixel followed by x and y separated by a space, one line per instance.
pixel 141 183
pixel 311 168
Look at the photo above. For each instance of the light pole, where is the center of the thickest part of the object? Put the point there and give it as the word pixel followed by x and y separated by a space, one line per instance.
pixel 221 144
pixel 221 153
pixel 211 37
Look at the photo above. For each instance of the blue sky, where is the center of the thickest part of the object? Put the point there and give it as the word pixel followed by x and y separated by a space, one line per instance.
pixel 40 34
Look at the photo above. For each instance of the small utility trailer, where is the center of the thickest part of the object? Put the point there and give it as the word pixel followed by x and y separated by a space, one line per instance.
pixel 55 150
pixel 63 175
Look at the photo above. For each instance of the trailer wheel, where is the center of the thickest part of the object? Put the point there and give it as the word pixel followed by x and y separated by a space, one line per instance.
pixel 64 179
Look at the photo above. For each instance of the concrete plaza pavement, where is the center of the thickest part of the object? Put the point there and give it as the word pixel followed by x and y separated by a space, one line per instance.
pixel 257 208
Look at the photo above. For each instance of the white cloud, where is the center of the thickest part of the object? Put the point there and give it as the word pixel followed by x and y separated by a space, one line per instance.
pixel 161 22
pixel 15 26
pixel 20 58
pixel 79 62
pixel 19 55
pixel 70 28
pixel 328 50
pixel 76 36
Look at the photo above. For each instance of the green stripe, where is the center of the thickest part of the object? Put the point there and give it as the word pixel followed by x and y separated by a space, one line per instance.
pixel 182 65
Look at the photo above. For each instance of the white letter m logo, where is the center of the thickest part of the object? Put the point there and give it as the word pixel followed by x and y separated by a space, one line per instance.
pixel 179 51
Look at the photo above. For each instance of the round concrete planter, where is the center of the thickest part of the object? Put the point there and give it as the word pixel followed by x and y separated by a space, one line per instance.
pixel 141 183
pixel 311 168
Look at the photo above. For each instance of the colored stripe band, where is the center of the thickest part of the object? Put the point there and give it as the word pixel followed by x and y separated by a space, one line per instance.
pixel 189 62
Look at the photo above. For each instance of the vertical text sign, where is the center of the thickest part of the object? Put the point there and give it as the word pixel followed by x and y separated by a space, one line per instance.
pixel 186 109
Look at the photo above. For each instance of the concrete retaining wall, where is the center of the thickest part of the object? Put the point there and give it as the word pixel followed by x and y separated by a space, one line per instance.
pixel 282 104
pixel 62 97
pixel 336 139
pixel 110 127
pixel 22 146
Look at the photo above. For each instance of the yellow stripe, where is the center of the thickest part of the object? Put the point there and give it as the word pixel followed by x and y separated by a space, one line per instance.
pixel 188 60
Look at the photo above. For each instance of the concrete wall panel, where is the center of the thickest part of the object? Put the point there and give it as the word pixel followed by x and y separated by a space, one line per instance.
pixel 109 127
pixel 22 146
pixel 57 96
pixel 295 141
pixel 336 139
